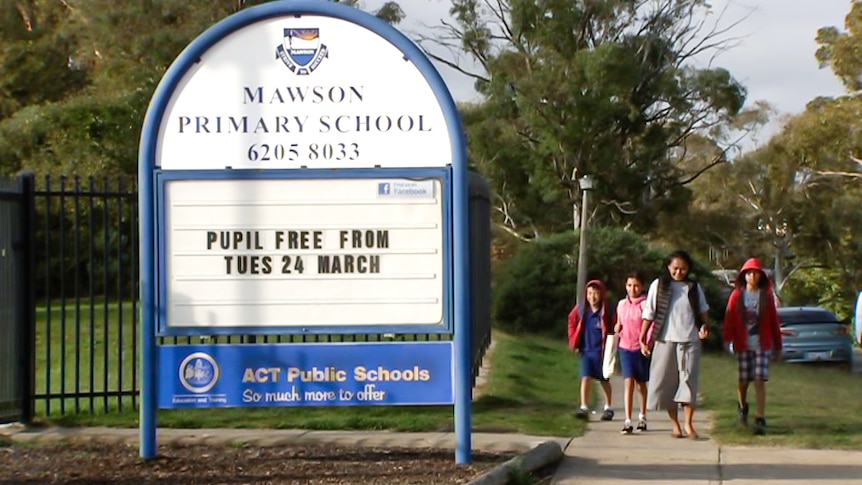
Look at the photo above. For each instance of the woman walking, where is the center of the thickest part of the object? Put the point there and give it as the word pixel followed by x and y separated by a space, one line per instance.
pixel 675 317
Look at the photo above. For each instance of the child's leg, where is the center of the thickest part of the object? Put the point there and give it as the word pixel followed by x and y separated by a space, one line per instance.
pixel 609 397
pixel 585 392
pixel 642 388
pixel 760 395
pixel 742 392
pixel 761 375
pixel 628 396
pixel 745 366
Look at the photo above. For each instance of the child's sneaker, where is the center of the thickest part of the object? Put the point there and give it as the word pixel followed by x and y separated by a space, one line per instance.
pixel 582 413
pixel 760 426
pixel 627 427
pixel 642 424
pixel 743 415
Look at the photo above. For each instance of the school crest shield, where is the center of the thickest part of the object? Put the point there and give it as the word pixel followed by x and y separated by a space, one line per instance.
pixel 301 50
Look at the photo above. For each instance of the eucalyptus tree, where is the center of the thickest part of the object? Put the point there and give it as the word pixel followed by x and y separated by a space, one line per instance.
pixel 840 50
pixel 608 88
pixel 816 152
pixel 801 191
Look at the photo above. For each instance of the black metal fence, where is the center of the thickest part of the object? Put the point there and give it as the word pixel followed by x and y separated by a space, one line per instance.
pixel 16 299
pixel 86 291
pixel 78 351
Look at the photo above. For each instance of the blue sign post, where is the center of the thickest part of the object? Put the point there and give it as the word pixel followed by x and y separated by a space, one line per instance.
pixel 303 170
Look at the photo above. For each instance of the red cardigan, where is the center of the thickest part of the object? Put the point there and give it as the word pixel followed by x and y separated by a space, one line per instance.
pixel 735 330
pixel 576 327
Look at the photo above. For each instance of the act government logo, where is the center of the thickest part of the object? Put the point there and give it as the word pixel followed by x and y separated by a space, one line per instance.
pixel 199 372
pixel 301 50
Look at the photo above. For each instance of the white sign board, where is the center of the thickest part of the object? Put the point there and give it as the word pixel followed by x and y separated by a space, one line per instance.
pixel 303 252
pixel 303 91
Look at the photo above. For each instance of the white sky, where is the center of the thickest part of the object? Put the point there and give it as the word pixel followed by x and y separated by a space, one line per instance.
pixel 774 57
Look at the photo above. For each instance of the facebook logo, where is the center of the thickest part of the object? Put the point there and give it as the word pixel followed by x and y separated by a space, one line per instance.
pixel 384 188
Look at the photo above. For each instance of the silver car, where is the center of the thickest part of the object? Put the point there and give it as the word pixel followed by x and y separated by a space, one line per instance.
pixel 814 334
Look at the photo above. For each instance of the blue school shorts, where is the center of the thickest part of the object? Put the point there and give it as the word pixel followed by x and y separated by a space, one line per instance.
pixel 634 365
pixel 591 365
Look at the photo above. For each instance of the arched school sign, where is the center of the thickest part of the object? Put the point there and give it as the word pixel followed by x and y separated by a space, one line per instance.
pixel 303 170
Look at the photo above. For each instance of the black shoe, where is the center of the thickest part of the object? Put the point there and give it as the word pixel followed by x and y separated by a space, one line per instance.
pixel 627 428
pixel 743 415
pixel 642 425
pixel 760 426
pixel 582 413
pixel 608 415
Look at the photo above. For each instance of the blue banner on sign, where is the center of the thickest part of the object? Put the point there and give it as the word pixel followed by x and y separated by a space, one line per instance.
pixel 334 374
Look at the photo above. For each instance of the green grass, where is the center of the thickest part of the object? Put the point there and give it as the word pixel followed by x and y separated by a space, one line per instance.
pixel 91 354
pixel 807 405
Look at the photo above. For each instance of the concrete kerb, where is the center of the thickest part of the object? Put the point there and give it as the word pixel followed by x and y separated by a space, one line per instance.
pixel 543 455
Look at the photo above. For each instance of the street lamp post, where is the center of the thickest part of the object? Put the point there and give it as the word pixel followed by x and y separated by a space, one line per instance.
pixel 586 184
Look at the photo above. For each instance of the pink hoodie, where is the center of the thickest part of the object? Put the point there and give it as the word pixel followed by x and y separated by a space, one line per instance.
pixel 629 315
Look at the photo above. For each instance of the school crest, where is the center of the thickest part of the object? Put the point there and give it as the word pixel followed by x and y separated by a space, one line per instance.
pixel 301 50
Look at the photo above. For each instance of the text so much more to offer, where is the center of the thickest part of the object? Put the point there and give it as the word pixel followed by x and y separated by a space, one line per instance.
pixel 361 374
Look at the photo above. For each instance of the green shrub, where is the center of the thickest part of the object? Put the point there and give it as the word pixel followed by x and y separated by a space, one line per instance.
pixel 535 289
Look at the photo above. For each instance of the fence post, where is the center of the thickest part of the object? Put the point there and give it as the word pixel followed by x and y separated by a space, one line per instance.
pixel 27 319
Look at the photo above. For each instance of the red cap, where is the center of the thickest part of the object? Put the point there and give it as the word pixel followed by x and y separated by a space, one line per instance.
pixel 752 263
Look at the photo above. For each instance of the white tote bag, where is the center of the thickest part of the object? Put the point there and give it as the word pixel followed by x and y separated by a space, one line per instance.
pixel 609 359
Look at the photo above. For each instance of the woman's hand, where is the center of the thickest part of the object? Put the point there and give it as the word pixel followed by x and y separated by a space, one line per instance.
pixel 703 333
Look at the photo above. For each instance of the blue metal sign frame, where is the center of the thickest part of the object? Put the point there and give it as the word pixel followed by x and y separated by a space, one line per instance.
pixel 149 163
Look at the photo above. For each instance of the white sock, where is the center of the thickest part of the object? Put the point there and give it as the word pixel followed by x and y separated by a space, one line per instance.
pixel 642 417
pixel 584 407
pixel 608 407
pixel 628 422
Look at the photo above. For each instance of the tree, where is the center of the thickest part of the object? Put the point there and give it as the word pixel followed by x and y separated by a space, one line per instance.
pixel 76 77
pixel 605 88
pixel 841 50
pixel 813 147
pixel 798 195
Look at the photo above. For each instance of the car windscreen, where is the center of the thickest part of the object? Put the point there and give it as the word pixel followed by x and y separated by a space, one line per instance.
pixel 812 317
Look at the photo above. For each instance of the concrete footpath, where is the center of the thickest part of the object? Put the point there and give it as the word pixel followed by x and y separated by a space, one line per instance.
pixel 601 456
pixel 605 456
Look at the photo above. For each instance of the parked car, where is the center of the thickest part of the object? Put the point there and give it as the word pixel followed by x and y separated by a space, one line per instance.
pixel 813 334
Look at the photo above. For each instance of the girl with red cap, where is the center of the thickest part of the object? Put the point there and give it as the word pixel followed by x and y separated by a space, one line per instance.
pixel 751 326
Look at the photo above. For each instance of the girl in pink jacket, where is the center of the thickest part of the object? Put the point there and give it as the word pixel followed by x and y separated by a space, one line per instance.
pixel 635 365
